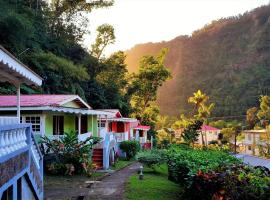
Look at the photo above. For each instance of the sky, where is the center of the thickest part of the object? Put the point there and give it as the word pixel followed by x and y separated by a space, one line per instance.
pixel 141 21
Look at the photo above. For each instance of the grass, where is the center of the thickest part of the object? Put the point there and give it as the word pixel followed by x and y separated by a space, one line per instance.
pixel 121 164
pixel 154 186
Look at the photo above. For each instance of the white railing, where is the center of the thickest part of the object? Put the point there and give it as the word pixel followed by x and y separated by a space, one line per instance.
pixel 12 140
pixel 102 133
pixel 35 152
pixel 16 139
pixel 142 140
pixel 84 136
pixel 9 120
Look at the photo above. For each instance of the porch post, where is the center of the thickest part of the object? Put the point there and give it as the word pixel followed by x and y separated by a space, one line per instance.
pixel 99 122
pixel 18 101
pixel 92 124
pixel 79 124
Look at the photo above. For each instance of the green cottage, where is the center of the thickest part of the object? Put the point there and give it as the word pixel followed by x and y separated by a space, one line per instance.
pixel 53 115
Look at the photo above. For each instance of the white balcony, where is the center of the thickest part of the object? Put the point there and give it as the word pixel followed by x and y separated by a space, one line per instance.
pixel 9 120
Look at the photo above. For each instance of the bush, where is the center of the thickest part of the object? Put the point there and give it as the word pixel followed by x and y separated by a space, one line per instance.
pixel 68 155
pixel 230 182
pixel 185 162
pixel 152 158
pixel 131 148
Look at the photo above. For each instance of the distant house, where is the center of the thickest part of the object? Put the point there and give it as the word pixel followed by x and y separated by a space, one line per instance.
pixel 254 138
pixel 209 134
pixel 125 128
pixel 53 115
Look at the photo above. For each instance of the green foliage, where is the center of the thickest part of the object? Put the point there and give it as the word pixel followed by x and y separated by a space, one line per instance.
pixel 68 155
pixel 104 38
pixel 47 38
pixel 152 75
pixel 251 117
pixel 201 109
pixel 231 182
pixel 151 158
pixel 164 138
pixel 264 112
pixel 130 147
pixel 190 133
pixel 185 162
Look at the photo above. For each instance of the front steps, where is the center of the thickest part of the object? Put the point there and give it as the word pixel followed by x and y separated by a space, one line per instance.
pixel 97 157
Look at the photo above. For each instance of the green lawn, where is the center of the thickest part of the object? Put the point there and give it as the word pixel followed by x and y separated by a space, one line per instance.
pixel 155 186
pixel 121 164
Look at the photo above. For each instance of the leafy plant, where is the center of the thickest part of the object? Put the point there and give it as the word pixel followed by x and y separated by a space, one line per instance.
pixel 230 182
pixel 69 151
pixel 152 158
pixel 131 148
pixel 184 162
pixel 191 134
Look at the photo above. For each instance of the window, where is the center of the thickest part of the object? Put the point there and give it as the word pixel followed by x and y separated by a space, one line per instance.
pixel 84 124
pixel 249 148
pixel 35 121
pixel 101 123
pixel 58 125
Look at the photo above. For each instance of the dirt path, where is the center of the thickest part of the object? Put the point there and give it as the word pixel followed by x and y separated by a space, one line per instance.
pixel 112 187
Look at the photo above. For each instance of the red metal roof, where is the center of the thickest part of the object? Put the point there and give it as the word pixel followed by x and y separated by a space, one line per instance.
pixel 34 100
pixel 208 128
pixel 141 127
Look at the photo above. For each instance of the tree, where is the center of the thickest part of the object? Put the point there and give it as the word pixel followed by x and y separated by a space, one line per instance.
pixel 163 122
pixel 152 74
pixel 69 17
pixel 104 38
pixel 190 133
pixel 163 138
pixel 115 89
pixel 264 111
pixel 201 108
pixel 251 117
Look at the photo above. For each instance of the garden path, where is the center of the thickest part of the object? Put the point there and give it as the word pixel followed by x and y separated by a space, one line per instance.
pixel 113 186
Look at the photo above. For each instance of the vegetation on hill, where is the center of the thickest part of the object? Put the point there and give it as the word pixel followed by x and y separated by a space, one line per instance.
pixel 48 39
pixel 228 59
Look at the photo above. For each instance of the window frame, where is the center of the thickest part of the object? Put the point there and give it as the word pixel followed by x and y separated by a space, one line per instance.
pixel 57 121
pixel 23 119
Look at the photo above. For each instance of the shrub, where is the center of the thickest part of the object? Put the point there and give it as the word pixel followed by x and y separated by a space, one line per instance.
pixel 184 162
pixel 68 155
pixel 230 182
pixel 151 158
pixel 131 148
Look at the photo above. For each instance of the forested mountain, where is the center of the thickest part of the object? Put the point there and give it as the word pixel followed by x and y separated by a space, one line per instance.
pixel 228 59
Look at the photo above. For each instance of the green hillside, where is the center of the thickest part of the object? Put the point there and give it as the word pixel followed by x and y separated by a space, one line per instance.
pixel 229 59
